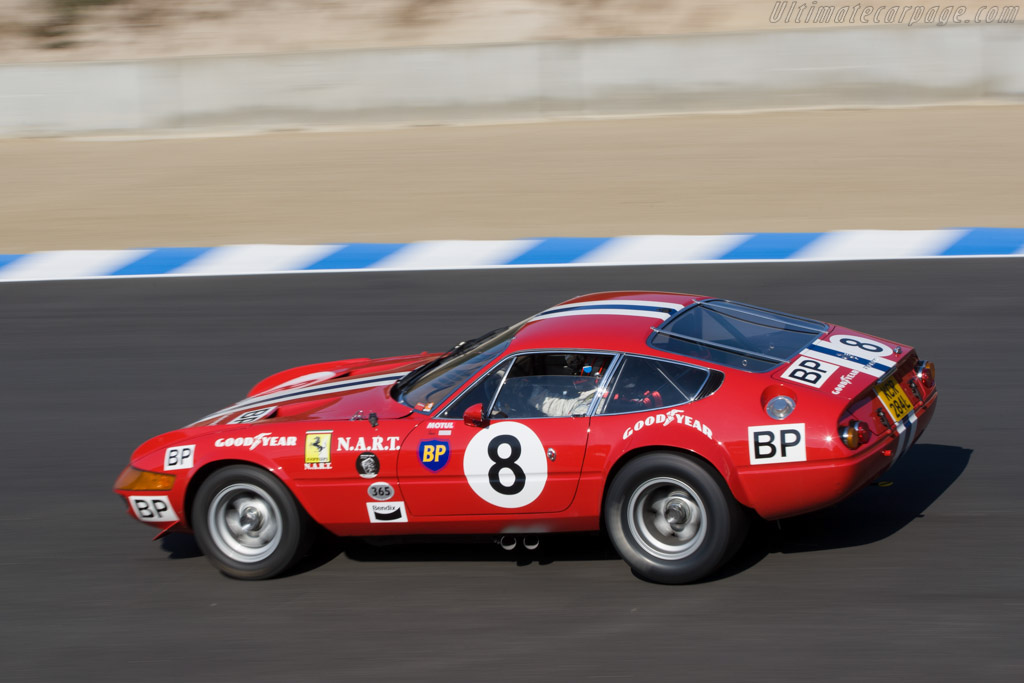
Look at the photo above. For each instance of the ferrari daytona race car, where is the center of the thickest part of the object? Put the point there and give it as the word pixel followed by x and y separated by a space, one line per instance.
pixel 664 419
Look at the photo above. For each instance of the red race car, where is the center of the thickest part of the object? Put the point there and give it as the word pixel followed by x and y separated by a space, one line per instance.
pixel 662 418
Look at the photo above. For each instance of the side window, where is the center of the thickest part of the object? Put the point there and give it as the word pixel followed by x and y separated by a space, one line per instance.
pixel 481 392
pixel 646 384
pixel 550 385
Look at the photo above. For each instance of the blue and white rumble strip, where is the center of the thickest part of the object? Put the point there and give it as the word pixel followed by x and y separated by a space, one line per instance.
pixel 252 259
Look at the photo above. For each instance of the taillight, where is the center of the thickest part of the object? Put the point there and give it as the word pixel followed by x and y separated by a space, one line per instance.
pixel 925 371
pixel 853 434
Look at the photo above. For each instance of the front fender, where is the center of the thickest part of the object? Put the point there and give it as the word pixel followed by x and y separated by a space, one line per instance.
pixel 192 457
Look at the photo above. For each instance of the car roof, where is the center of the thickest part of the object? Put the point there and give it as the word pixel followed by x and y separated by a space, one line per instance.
pixel 618 321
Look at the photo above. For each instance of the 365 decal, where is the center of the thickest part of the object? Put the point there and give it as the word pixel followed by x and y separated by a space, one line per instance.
pixel 505 465
pixel 381 491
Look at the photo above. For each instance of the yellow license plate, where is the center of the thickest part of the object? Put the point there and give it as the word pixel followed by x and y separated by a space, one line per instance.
pixel 894 398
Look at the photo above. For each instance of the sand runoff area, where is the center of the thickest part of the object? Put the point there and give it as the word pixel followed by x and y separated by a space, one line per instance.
pixel 697 174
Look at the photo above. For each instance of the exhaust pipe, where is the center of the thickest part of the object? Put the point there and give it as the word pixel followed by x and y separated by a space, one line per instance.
pixel 529 542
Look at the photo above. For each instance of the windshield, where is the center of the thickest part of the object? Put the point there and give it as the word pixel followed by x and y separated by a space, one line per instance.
pixel 736 335
pixel 452 371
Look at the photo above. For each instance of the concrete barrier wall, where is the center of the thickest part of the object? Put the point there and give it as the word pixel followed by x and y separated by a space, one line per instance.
pixel 779 69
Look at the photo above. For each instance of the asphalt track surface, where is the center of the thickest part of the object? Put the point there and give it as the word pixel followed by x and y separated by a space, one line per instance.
pixel 920 580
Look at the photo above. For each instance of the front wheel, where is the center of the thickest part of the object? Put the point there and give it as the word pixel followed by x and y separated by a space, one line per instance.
pixel 248 524
pixel 671 518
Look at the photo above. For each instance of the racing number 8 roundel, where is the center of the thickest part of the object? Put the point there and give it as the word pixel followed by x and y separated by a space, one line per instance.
pixel 505 465
pixel 861 346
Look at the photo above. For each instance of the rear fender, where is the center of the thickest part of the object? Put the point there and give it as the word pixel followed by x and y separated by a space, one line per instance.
pixel 720 463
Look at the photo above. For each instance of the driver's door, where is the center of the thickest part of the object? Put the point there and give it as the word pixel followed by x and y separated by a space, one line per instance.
pixel 527 454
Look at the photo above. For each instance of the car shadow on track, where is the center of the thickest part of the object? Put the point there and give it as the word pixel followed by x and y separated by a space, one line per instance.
pixel 878 511
pixel 553 548
pixel 902 495
pixel 872 514
pixel 180 546
pixel 575 547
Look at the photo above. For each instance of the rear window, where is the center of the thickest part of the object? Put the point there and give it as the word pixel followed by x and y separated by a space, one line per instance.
pixel 646 384
pixel 736 335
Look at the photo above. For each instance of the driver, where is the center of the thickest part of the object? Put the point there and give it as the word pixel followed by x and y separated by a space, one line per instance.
pixel 569 402
pixel 562 406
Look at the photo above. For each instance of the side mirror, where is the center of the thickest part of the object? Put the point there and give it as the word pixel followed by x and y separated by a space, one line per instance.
pixel 474 416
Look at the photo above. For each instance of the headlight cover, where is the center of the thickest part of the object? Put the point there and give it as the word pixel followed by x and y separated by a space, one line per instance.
pixel 132 479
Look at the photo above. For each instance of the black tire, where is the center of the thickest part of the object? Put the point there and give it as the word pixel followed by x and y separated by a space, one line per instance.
pixel 248 524
pixel 671 518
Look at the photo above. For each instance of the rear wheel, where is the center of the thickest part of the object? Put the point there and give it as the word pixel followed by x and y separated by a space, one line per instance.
pixel 671 518
pixel 248 524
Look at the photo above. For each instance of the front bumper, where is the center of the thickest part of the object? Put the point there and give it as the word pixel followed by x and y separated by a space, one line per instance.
pixel 151 498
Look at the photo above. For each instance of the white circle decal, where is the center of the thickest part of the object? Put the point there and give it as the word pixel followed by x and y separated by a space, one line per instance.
pixel 505 465
pixel 860 346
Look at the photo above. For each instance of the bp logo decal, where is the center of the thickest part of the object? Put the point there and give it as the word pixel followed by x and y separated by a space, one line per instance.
pixel 434 454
